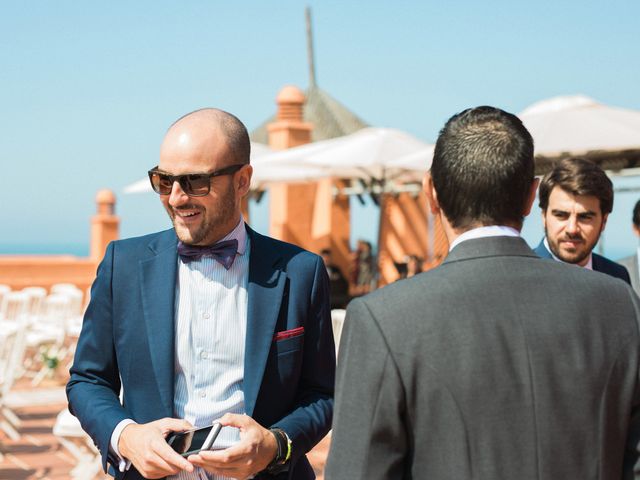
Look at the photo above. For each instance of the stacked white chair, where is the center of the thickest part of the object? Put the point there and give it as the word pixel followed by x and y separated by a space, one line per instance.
pixel 73 323
pixel 62 287
pixel 71 436
pixel 4 289
pixel 13 330
pixel 48 333
pixel 36 299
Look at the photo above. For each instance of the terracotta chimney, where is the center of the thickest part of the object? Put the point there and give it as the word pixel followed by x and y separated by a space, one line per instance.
pixel 289 129
pixel 104 224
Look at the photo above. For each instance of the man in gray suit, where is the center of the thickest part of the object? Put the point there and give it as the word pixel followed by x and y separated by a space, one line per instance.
pixel 498 364
pixel 631 263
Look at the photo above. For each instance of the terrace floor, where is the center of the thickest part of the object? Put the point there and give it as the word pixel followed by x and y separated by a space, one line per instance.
pixel 38 454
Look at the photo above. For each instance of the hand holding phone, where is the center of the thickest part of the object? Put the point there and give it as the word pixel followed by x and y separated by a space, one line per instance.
pixel 193 441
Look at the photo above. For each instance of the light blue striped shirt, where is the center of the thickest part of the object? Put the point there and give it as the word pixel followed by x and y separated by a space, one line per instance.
pixel 210 328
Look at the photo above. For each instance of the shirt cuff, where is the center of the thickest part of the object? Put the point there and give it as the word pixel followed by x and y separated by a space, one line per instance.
pixel 123 463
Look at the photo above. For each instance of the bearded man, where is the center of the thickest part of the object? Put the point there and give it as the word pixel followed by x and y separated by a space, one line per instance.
pixel 576 198
pixel 207 321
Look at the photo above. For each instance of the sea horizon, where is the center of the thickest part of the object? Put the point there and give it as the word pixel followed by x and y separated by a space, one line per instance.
pixel 76 249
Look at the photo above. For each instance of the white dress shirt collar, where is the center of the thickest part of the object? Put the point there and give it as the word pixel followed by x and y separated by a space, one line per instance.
pixel 240 234
pixel 588 266
pixel 483 232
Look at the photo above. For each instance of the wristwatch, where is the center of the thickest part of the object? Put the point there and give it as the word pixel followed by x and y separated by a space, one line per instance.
pixel 281 461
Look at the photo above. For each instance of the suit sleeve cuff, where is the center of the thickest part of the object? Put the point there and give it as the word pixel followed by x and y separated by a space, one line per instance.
pixel 123 463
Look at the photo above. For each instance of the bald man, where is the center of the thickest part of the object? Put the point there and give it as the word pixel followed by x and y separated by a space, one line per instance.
pixel 207 321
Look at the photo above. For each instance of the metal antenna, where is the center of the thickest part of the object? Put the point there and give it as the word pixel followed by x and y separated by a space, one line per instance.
pixel 312 68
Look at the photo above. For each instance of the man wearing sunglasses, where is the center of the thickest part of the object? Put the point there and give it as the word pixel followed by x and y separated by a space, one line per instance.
pixel 206 321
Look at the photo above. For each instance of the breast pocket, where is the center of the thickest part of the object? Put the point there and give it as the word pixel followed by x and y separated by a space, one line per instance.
pixel 289 359
pixel 288 345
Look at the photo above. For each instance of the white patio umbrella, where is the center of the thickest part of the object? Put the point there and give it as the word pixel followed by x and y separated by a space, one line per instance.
pixel 366 154
pixel 415 164
pixel 578 124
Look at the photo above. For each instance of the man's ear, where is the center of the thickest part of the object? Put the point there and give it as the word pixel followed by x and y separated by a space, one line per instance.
pixel 244 180
pixel 604 221
pixel 531 198
pixel 430 192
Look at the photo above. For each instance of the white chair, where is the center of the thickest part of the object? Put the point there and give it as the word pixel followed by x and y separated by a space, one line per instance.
pixel 48 333
pixel 8 342
pixel 4 289
pixel 36 299
pixel 61 287
pixel 13 330
pixel 71 436
pixel 14 305
pixel 337 322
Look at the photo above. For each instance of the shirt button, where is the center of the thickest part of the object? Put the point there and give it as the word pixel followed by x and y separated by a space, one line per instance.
pixel 203 355
pixel 203 394
pixel 205 315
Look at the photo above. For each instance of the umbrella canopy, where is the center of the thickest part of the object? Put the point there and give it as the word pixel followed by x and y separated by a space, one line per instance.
pixel 367 154
pixel 415 164
pixel 578 125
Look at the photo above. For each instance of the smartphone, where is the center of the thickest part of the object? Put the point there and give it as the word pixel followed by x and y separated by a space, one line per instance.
pixel 191 442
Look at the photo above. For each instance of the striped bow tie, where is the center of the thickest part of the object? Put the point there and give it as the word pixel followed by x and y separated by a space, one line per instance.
pixel 223 252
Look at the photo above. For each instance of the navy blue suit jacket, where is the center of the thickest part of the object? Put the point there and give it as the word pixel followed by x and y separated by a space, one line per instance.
pixel 600 263
pixel 127 340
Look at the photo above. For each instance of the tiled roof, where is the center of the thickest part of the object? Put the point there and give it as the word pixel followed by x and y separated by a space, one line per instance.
pixel 329 117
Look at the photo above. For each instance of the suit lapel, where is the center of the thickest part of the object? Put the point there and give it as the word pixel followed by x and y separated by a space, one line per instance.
pixel 598 265
pixel 542 251
pixel 266 287
pixel 158 282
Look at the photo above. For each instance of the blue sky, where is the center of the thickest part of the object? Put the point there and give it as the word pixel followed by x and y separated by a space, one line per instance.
pixel 87 89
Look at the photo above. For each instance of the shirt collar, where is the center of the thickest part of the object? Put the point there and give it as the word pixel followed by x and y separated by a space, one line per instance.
pixel 239 233
pixel 588 266
pixel 483 232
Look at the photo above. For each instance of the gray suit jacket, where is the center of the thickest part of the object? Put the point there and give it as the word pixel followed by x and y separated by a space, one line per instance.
pixel 631 264
pixel 495 365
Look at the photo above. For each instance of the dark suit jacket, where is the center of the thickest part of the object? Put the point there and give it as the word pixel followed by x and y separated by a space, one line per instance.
pixel 600 263
pixel 495 365
pixel 128 334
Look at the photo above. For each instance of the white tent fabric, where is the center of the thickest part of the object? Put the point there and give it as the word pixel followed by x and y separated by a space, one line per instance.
pixel 367 154
pixel 415 164
pixel 577 124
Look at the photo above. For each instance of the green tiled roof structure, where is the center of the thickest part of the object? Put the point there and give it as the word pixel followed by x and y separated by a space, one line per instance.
pixel 329 117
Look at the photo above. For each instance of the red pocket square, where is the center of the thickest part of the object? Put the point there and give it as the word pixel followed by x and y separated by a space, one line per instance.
pixel 294 332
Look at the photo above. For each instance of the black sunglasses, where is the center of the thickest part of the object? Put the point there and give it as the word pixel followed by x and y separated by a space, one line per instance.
pixel 193 184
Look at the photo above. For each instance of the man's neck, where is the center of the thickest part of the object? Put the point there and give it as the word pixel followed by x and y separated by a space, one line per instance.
pixel 453 233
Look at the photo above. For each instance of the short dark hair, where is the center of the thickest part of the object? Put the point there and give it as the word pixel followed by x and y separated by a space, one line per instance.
pixel 636 214
pixel 483 168
pixel 578 176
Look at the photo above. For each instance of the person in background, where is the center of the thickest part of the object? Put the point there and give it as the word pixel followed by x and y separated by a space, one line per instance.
pixel 631 262
pixel 207 321
pixel 576 197
pixel 411 266
pixel 338 285
pixel 365 268
pixel 497 364
pixel 414 265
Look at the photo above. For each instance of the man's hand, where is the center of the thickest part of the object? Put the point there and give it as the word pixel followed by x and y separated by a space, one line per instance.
pixel 145 446
pixel 256 449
